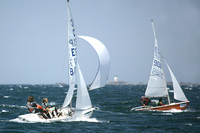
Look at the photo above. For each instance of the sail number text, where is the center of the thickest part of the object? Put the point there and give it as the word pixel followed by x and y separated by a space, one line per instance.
pixel 73 50
pixel 157 63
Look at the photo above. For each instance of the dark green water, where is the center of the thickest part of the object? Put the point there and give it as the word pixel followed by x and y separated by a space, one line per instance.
pixel 114 115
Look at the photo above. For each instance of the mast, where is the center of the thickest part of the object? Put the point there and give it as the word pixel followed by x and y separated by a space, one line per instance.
pixel 72 58
pixel 69 54
pixel 161 64
pixel 69 48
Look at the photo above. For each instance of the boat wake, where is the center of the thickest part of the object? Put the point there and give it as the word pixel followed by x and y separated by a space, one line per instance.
pixel 173 111
pixel 179 111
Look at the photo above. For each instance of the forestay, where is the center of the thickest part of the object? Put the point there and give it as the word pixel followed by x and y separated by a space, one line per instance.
pixel 104 62
pixel 156 85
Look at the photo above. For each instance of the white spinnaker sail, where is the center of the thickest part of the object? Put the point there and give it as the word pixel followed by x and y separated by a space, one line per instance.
pixel 104 62
pixel 156 85
pixel 72 44
pixel 178 92
pixel 83 99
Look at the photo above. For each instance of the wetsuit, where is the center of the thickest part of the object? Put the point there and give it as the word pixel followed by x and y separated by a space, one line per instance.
pixel 34 107
pixel 45 105
pixel 50 109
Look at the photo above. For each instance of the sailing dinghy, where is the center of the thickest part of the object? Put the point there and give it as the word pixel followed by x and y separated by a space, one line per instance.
pixel 157 87
pixel 83 106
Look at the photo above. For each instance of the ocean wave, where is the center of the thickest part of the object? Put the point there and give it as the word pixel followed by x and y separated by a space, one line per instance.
pixel 4 111
pixel 168 113
pixel 52 103
pixel 6 96
pixel 12 106
pixel 86 119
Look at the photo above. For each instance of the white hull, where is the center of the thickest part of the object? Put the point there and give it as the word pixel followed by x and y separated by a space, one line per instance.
pixel 77 114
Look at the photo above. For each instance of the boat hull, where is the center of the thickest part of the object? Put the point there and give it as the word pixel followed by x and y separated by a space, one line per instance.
pixel 177 106
pixel 75 116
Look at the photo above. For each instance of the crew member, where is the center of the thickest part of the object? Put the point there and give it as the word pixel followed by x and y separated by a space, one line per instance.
pixel 145 101
pixel 33 106
pixel 160 102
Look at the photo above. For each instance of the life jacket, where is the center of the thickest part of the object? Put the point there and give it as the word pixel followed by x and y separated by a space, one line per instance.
pixel 31 110
pixel 146 101
pixel 38 106
pixel 160 104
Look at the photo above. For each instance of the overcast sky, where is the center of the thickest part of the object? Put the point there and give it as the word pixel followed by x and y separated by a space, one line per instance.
pixel 33 38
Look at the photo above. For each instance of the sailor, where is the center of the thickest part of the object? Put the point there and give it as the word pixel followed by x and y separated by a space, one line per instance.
pixel 51 111
pixel 145 101
pixel 160 102
pixel 33 106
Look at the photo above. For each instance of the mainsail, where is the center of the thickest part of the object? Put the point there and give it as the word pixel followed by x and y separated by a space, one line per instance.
pixel 156 85
pixel 104 62
pixel 83 99
pixel 72 44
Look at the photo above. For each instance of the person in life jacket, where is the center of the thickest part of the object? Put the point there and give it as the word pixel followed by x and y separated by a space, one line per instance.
pixel 160 102
pixel 145 101
pixel 51 111
pixel 33 106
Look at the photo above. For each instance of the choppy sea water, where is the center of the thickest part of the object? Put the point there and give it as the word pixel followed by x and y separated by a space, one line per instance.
pixel 114 115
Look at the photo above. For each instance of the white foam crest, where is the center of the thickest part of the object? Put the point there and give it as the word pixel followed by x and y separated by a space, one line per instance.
pixel 6 96
pixel 20 86
pixel 19 120
pixel 188 124
pixel 173 111
pixel 4 111
pixel 52 103
pixel 85 119
pixel 12 106
pixel 163 113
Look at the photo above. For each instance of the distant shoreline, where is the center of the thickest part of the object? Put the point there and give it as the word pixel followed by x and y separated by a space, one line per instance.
pixel 140 83
pixel 112 83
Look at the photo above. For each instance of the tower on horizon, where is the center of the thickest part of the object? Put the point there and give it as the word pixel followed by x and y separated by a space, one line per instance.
pixel 115 78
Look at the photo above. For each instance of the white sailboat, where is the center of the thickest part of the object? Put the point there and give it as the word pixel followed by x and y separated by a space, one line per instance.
pixel 157 87
pixel 83 106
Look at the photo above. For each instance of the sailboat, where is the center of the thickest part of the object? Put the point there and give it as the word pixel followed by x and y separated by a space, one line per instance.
pixel 83 106
pixel 157 87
